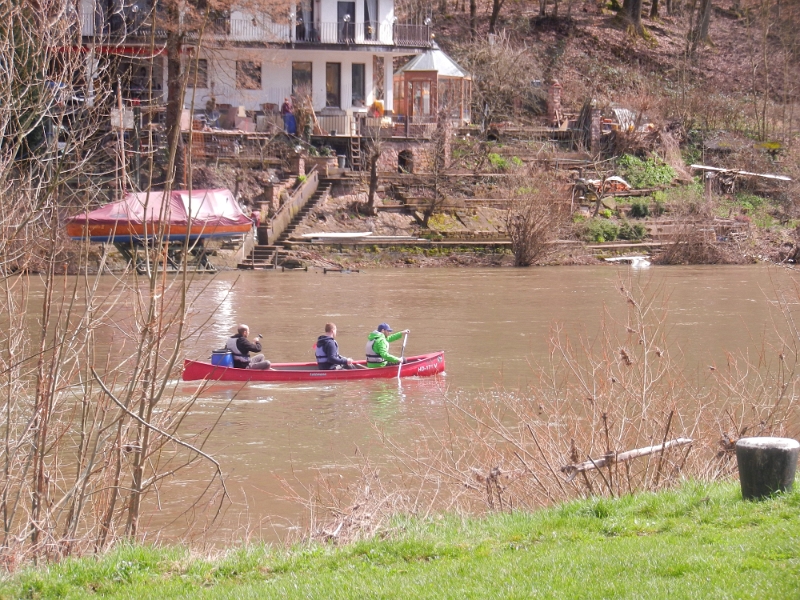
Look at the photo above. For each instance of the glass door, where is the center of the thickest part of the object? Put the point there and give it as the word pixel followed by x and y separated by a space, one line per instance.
pixel 346 25
pixel 333 84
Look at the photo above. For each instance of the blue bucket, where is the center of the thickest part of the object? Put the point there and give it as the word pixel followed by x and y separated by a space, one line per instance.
pixel 222 358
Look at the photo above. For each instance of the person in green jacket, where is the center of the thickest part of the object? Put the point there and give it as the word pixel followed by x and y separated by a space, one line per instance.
pixel 378 346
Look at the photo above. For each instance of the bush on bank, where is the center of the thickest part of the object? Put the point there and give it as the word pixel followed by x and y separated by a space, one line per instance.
pixel 700 540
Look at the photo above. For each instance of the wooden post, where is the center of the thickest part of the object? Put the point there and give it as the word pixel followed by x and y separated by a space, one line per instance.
pixel 766 465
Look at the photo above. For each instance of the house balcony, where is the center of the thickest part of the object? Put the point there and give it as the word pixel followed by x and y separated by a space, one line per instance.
pixel 360 125
pixel 263 31
pixel 365 33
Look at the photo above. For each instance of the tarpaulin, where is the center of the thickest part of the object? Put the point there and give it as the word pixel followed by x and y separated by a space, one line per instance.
pixel 214 213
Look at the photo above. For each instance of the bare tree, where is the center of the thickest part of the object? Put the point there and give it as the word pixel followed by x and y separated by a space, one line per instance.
pixel 632 13
pixel 439 163
pixel 502 77
pixel 654 9
pixel 539 211
pixel 84 439
pixel 699 23
pixel 374 148
pixel 473 19
pixel 497 6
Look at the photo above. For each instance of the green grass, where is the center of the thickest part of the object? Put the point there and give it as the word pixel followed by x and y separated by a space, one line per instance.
pixel 701 541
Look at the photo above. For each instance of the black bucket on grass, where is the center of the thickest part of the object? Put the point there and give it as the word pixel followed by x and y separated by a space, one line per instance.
pixel 766 465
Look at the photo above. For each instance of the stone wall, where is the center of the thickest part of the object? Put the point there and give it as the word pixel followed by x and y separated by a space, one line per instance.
pixel 419 151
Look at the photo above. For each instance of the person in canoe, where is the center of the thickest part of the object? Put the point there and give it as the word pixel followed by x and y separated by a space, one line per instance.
pixel 378 346
pixel 327 351
pixel 241 347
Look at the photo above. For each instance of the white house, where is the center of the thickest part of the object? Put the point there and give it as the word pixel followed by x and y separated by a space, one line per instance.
pixel 340 53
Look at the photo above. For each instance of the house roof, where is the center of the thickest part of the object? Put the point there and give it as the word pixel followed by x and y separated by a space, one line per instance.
pixel 434 60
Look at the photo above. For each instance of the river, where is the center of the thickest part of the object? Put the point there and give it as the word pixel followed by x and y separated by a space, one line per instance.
pixel 492 324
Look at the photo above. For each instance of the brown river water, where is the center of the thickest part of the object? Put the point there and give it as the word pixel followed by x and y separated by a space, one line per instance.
pixel 491 324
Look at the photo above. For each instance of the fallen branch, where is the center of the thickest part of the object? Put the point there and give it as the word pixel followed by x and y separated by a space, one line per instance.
pixel 612 457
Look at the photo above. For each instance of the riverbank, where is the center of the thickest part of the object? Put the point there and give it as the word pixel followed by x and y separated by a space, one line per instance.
pixel 700 540
pixel 478 238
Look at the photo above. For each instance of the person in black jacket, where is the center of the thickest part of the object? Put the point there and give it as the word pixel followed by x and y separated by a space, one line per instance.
pixel 241 347
pixel 327 351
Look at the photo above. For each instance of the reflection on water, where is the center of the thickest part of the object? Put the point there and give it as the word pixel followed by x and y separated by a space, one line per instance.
pixel 493 324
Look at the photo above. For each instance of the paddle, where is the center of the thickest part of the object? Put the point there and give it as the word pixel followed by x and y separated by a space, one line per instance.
pixel 402 353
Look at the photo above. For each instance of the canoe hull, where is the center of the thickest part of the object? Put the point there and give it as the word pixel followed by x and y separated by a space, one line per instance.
pixel 423 365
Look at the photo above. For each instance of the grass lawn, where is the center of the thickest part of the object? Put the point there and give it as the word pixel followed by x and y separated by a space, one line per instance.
pixel 700 541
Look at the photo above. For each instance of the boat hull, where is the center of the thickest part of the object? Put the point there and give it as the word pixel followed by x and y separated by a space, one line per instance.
pixel 138 233
pixel 423 365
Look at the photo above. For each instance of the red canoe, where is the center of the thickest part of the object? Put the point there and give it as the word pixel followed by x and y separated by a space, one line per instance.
pixel 420 366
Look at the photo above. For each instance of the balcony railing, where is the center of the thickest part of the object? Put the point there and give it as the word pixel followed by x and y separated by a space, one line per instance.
pixel 374 127
pixel 87 20
pixel 252 30
pixel 363 33
pixel 262 30
pixel 412 35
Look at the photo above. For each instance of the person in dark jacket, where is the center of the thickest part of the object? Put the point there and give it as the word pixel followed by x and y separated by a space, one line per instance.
pixel 241 347
pixel 327 351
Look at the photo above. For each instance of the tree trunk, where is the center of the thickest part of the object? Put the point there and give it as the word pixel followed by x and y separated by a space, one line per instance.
pixel 374 156
pixel 654 9
pixel 473 19
pixel 699 33
pixel 496 6
pixel 542 7
pixel 632 10
pixel 705 19
pixel 175 108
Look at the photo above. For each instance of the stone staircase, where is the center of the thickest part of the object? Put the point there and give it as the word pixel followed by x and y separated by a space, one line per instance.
pixel 270 256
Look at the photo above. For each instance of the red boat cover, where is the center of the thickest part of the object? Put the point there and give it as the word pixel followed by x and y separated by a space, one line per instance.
pixel 209 209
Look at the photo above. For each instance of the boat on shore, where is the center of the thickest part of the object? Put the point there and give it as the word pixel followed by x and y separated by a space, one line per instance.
pixel 144 217
pixel 423 365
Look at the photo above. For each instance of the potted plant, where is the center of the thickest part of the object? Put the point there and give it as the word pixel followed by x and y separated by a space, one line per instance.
pixel 323 158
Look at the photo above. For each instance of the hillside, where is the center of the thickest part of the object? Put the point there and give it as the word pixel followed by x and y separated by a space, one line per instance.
pixel 592 53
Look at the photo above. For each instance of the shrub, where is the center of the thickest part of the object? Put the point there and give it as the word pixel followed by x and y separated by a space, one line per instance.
pixel 750 202
pixel 645 173
pixel 498 162
pixel 606 213
pixel 640 209
pixel 634 232
pixel 600 230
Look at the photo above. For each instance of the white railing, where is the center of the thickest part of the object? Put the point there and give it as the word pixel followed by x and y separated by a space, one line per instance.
pixel 255 30
pixel 335 124
pixel 347 33
pixel 363 33
pixel 261 29
pixel 411 35
pixel 87 20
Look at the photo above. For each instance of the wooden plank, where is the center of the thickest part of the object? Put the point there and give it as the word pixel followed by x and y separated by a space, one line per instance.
pixel 612 457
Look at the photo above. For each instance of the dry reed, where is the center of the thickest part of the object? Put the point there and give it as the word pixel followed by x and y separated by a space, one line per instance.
pixel 623 389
